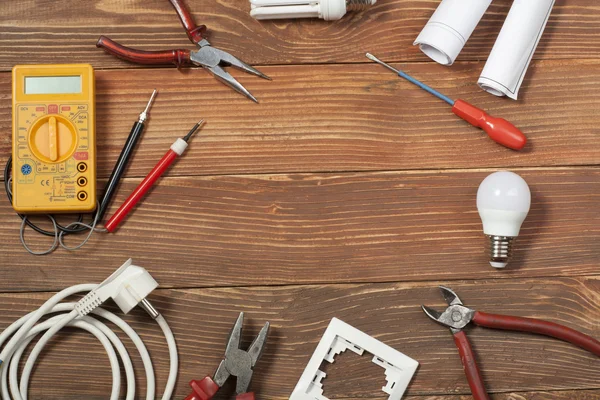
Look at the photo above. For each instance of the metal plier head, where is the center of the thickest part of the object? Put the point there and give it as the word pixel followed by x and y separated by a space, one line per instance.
pixel 214 60
pixel 456 316
pixel 240 363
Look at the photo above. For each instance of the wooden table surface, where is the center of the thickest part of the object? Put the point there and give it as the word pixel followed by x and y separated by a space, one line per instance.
pixel 345 193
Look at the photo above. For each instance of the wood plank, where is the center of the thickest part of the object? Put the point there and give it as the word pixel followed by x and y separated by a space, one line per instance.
pixel 201 319
pixel 557 395
pixel 542 395
pixel 312 228
pixel 332 118
pixel 60 32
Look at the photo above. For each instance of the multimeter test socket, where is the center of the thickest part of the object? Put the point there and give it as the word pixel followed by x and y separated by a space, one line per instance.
pixel 53 138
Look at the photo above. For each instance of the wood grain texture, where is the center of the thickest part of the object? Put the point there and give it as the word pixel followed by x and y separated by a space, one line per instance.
pixel 36 31
pixel 201 320
pixel 570 395
pixel 311 228
pixel 340 118
pixel 347 192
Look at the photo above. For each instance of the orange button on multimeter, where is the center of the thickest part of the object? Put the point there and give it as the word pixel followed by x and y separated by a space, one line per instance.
pixel 54 144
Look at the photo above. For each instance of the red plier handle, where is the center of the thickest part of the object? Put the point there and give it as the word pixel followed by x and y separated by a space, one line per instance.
pixel 540 327
pixel 467 356
pixel 206 388
pixel 511 323
pixel 194 32
pixel 179 57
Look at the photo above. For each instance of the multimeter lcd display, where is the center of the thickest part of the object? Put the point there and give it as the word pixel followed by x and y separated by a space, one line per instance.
pixel 52 84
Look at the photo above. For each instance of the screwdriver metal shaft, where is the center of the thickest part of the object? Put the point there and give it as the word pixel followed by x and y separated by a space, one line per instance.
pixel 412 80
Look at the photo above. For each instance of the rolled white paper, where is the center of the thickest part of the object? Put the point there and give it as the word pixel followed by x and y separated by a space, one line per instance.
pixel 508 62
pixel 449 28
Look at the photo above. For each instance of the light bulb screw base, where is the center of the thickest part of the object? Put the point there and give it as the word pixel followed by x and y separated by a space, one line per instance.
pixel 500 250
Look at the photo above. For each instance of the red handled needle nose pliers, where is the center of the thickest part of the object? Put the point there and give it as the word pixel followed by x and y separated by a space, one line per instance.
pixel 206 56
pixel 457 316
pixel 237 362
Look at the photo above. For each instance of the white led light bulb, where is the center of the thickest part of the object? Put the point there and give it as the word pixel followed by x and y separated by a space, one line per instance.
pixel 328 10
pixel 503 201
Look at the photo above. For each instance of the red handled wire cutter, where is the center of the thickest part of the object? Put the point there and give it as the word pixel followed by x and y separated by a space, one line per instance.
pixel 206 56
pixel 237 362
pixel 457 316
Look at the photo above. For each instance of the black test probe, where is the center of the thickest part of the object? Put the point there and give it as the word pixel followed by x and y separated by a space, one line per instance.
pixel 123 160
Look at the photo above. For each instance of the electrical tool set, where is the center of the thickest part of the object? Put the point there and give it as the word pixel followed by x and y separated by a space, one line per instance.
pixel 53 168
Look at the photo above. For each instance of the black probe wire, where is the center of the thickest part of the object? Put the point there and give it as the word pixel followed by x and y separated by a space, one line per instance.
pixel 109 191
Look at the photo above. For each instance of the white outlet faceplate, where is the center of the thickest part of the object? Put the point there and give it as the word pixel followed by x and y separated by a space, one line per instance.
pixel 339 337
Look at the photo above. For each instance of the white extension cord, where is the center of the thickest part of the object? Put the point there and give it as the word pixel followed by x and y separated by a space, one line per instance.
pixel 128 287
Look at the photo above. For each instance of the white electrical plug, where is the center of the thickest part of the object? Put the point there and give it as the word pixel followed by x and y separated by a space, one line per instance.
pixel 128 286
pixel 329 10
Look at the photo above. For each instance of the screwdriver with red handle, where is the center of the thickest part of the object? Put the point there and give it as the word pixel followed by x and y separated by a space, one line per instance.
pixel 498 129
pixel 177 149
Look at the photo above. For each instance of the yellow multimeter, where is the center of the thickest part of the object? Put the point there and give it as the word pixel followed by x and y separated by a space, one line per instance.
pixel 54 143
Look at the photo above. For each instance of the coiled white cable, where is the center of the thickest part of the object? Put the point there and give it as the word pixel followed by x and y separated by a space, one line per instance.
pixel 25 330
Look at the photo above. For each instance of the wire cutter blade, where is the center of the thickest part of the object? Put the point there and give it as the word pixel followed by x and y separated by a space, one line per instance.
pixel 450 296
pixel 455 316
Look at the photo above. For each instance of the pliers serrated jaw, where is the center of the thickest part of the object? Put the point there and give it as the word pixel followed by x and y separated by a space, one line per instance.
pixel 237 362
pixel 240 363
pixel 456 316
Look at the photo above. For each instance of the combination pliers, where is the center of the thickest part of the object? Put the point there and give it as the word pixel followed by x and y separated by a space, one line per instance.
pixel 206 56
pixel 237 362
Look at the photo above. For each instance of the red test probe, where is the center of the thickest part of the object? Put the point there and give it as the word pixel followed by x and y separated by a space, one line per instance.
pixel 498 129
pixel 177 149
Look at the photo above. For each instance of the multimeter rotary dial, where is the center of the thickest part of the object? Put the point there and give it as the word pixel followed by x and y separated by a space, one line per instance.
pixel 52 138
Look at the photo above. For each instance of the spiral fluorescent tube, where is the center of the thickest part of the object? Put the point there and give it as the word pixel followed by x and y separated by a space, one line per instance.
pixel 328 10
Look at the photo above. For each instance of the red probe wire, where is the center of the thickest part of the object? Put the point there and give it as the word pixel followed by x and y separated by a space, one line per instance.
pixel 498 129
pixel 177 149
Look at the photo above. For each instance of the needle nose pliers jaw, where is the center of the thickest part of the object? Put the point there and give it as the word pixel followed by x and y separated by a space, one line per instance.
pixel 456 317
pixel 208 57
pixel 237 362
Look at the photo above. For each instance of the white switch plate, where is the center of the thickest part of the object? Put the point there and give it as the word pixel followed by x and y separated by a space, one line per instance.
pixel 339 337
